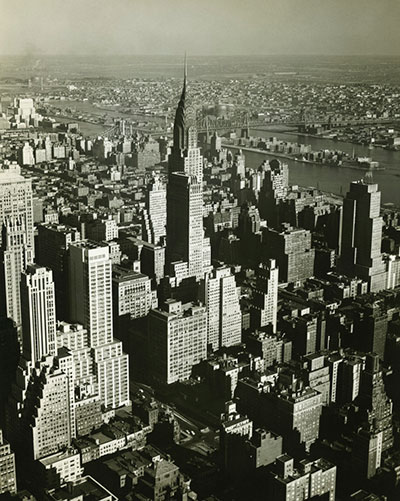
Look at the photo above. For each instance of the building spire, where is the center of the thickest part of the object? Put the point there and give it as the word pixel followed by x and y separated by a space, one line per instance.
pixel 185 70
pixel 179 124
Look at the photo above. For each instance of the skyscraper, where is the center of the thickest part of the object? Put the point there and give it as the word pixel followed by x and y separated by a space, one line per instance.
pixel 15 254
pixel 38 313
pixel 218 291
pixel 16 238
pixel 185 238
pixel 177 340
pixel 155 214
pixel 375 406
pixel 185 154
pixel 8 477
pixel 38 412
pixel 53 242
pixel 91 305
pixel 273 190
pixel 292 249
pixel 16 199
pixel 360 251
pixel 264 309
pixel 90 290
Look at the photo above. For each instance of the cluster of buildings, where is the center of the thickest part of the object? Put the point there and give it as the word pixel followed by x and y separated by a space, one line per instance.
pixel 139 295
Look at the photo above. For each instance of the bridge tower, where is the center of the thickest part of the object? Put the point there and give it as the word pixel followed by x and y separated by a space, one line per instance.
pixel 303 120
pixel 245 132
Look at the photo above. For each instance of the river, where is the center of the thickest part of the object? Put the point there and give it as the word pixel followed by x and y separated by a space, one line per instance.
pixel 334 179
pixel 90 110
pixel 331 179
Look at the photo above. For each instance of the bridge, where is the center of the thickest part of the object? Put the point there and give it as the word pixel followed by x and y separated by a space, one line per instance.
pixel 208 125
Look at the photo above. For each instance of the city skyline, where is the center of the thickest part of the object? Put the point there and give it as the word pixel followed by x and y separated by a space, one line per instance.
pixel 182 315
pixel 159 28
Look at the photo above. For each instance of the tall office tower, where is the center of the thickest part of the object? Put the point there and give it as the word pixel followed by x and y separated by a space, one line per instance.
pixel 219 292
pixel 371 328
pixel 15 254
pixel 52 251
pixel 177 340
pixel 91 305
pixel 348 384
pixel 38 413
pixel 38 313
pixel 291 247
pixel 155 214
pixel 16 199
pixel 334 362
pixel 274 189
pixel 85 402
pixel 374 404
pixel 185 223
pixel 360 252
pixel 185 238
pixel 264 308
pixel 90 290
pixel 8 474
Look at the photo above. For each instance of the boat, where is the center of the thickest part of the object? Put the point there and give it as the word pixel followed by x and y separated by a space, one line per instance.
pixel 362 163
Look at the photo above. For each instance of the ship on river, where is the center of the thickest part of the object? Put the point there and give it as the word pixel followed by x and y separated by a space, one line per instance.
pixel 362 163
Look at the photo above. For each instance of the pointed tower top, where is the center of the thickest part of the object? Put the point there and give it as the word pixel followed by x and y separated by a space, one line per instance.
pixel 179 123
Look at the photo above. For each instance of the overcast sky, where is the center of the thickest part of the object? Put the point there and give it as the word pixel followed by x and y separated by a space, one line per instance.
pixel 202 27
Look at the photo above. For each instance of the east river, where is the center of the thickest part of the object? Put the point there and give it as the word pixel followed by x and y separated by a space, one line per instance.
pixel 331 179
pixel 335 179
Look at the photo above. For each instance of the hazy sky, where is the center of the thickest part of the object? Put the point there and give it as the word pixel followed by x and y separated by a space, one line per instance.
pixel 200 26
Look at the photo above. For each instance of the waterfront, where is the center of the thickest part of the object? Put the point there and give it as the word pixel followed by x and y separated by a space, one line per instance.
pixel 333 179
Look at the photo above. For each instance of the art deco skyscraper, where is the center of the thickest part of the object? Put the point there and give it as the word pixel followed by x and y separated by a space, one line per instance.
pixel 38 313
pixel 360 252
pixel 91 305
pixel 264 309
pixel 15 254
pixel 185 238
pixel 53 242
pixel 38 412
pixel 218 291
pixel 16 199
pixel 155 214
pixel 185 154
pixel 16 237
pixel 90 290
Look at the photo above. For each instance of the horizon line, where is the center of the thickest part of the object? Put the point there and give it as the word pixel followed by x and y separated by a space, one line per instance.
pixel 38 54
